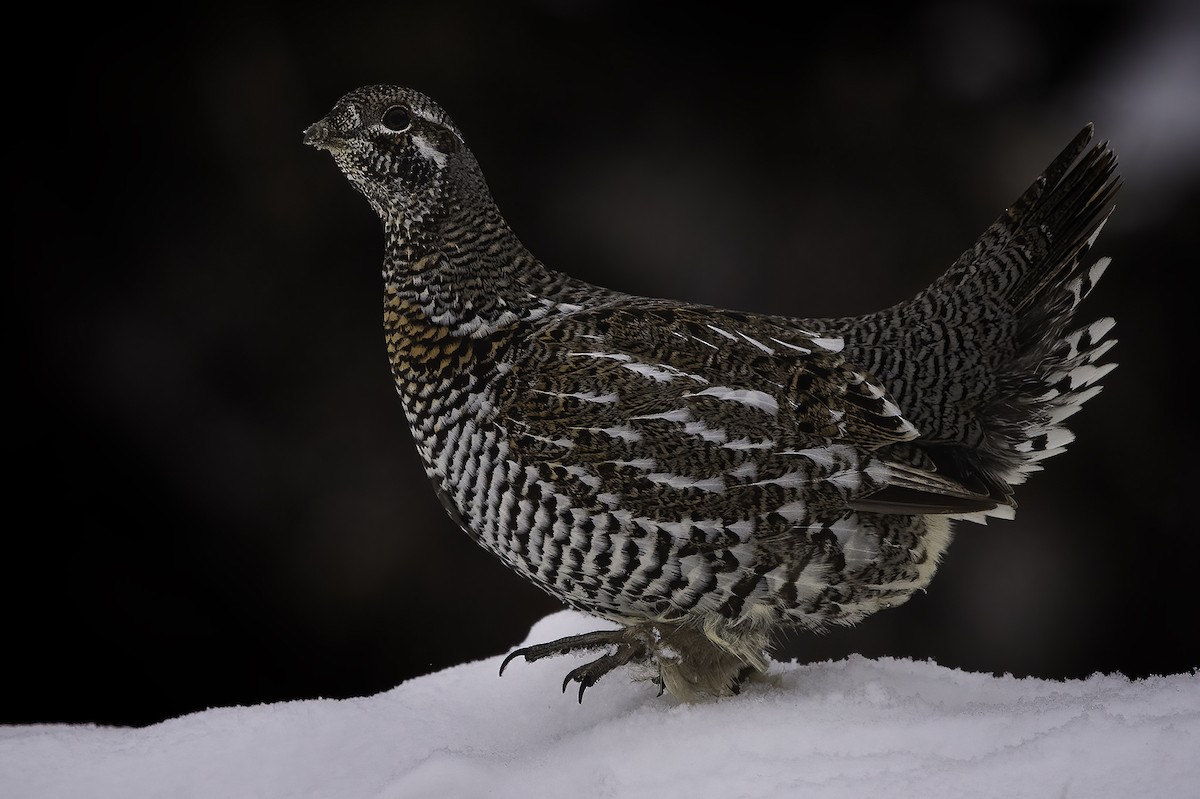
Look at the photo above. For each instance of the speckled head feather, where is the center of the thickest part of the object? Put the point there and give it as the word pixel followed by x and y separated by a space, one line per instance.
pixel 703 476
pixel 392 143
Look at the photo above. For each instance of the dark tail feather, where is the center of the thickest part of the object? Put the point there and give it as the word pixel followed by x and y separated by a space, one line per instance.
pixel 1040 240
pixel 1022 367
pixel 1036 254
pixel 1068 219
pixel 988 362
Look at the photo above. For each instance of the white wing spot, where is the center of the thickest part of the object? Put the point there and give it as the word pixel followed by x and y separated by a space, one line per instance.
pixel 637 463
pixel 755 399
pixel 659 374
pixel 847 479
pixel 757 343
pixel 745 443
pixel 831 344
pixel 558 442
pixel 742 529
pixel 699 428
pixel 624 432
pixel 803 350
pixel 586 396
pixel 612 356
pixel 584 476
pixel 789 480
pixel 820 456
pixel 749 470
pixel 793 511
pixel 713 485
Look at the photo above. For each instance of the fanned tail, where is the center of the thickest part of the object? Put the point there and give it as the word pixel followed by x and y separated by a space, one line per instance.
pixel 1033 262
pixel 988 362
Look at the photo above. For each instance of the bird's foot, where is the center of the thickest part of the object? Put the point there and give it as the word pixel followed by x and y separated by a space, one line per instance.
pixel 631 646
pixel 679 660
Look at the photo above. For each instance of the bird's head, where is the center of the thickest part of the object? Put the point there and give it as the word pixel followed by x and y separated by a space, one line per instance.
pixel 395 145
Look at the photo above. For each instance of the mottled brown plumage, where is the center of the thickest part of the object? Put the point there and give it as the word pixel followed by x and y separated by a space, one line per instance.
pixel 706 476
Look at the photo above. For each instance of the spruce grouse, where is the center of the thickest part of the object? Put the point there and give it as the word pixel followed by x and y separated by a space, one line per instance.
pixel 706 476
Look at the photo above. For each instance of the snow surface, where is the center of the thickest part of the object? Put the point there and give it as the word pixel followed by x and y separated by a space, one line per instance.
pixel 854 728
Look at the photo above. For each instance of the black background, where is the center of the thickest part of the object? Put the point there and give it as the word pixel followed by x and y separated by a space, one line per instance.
pixel 214 497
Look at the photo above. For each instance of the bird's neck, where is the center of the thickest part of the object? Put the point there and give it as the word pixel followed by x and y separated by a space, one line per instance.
pixel 460 268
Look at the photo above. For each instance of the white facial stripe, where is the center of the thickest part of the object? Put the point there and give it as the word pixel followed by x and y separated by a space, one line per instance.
pixel 428 151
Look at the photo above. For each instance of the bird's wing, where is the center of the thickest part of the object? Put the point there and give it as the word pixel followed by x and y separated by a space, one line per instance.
pixel 672 411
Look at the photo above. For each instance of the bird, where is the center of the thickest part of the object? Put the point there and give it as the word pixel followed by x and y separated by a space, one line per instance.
pixel 706 477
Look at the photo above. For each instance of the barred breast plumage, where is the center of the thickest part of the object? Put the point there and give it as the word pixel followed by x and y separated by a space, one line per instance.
pixel 704 476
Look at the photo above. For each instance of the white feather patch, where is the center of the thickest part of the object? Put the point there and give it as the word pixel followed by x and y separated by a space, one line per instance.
pixel 623 432
pixel 713 485
pixel 612 356
pixel 742 529
pixel 748 470
pixel 637 463
pixel 745 443
pixel 722 332
pixel 746 396
pixel 789 480
pixel 803 350
pixel 699 428
pixel 848 479
pixel 795 511
pixel 831 344
pixel 757 343
pixel 586 396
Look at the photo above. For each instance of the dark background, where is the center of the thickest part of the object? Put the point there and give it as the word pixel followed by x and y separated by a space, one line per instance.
pixel 215 499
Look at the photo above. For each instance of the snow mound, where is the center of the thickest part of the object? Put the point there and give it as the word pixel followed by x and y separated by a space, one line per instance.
pixel 851 728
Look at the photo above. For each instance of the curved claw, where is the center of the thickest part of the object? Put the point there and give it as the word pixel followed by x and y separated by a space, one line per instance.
pixel 507 660
pixel 563 646
pixel 532 653
pixel 585 681
pixel 588 674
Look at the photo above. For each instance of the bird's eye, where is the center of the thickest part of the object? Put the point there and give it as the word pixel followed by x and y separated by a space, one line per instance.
pixel 397 119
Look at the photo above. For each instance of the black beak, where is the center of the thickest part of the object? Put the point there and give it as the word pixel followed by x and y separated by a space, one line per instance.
pixel 316 134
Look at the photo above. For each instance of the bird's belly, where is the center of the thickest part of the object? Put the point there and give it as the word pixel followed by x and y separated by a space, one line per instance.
pixel 549 523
